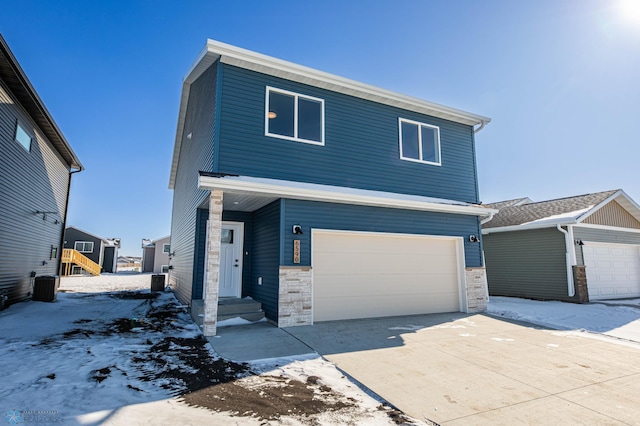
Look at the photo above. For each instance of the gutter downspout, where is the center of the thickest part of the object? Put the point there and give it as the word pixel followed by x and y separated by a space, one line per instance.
pixel 570 258
pixel 482 124
pixel 64 221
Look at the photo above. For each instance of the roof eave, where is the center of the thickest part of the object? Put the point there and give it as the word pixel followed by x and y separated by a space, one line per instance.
pixel 226 53
pixel 326 193
pixel 32 102
pixel 529 226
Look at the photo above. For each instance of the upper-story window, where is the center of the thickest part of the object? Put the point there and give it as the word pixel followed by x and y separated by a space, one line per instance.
pixel 22 137
pixel 84 246
pixel 419 142
pixel 294 116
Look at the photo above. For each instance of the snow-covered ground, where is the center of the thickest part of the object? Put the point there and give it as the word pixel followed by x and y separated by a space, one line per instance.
pixel 617 318
pixel 110 352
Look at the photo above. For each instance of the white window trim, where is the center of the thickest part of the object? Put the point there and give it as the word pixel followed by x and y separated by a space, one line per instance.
pixel 295 116
pixel 75 245
pixel 415 160
pixel 162 269
pixel 164 250
pixel 15 136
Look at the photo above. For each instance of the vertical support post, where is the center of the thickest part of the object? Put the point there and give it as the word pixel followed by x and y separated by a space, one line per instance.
pixel 212 271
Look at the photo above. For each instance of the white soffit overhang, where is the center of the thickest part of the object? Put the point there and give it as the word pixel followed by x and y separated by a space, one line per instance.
pixel 336 194
pixel 232 55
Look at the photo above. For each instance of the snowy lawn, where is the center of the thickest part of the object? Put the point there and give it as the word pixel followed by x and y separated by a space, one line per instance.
pixel 109 351
pixel 620 318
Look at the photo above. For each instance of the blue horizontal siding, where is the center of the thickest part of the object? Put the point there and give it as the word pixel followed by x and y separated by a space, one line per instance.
pixel 311 214
pixel 361 143
pixel 265 259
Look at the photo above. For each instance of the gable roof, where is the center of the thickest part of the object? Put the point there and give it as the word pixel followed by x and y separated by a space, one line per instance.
pixel 16 80
pixel 561 211
pixel 509 203
pixel 232 55
pixel 108 241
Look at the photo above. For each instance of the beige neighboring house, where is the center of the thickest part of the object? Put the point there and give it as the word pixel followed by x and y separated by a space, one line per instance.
pixel 155 255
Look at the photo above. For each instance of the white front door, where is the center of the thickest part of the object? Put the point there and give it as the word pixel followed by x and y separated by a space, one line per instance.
pixel 231 259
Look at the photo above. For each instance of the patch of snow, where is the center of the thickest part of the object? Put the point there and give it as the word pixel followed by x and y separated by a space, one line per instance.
pixel 237 321
pixel 617 321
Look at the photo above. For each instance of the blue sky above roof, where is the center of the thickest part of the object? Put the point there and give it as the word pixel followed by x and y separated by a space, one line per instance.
pixel 558 78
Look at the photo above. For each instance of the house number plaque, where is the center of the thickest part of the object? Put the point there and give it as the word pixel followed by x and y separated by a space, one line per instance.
pixel 296 251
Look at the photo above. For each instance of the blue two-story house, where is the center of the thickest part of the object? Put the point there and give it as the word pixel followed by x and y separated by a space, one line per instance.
pixel 321 197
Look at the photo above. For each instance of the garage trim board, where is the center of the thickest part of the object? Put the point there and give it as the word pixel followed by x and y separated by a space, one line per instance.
pixel 372 274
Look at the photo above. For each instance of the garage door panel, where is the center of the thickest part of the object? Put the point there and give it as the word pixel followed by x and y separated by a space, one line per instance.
pixel 613 270
pixel 381 263
pixel 397 305
pixel 369 275
pixel 359 285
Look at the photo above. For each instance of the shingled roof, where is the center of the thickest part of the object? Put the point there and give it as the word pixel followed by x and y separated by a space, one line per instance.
pixel 520 211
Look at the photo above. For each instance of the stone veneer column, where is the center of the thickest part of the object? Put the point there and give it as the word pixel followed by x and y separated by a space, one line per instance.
pixel 477 290
pixel 212 271
pixel 294 296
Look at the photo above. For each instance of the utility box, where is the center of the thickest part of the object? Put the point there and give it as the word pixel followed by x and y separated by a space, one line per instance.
pixel 157 282
pixel 45 288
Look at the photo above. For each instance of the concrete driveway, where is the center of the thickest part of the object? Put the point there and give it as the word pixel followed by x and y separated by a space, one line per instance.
pixel 458 369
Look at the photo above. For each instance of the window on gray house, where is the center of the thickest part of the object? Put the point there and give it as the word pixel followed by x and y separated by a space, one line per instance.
pixel 22 137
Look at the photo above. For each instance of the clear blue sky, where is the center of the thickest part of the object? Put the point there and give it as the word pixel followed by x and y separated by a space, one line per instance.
pixel 559 78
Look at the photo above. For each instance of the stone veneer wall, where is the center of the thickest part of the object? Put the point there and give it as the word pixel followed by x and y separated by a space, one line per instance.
pixel 477 290
pixel 212 271
pixel 294 296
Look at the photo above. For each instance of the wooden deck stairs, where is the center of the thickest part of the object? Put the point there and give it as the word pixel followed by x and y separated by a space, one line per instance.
pixel 72 257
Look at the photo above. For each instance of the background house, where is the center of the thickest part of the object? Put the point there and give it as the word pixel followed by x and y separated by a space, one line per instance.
pixel 155 255
pixel 321 197
pixel 35 173
pixel 540 250
pixel 103 251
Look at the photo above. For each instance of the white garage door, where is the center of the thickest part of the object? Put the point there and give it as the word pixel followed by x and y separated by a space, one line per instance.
pixel 613 270
pixel 364 275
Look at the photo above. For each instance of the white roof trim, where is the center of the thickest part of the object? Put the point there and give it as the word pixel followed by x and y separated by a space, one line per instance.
pixel 247 59
pixel 337 194
pixel 528 226
pixel 573 218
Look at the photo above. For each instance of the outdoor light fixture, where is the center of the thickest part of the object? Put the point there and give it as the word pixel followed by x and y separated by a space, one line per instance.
pixel 272 114
pixel 579 242
pixel 473 238
pixel 297 229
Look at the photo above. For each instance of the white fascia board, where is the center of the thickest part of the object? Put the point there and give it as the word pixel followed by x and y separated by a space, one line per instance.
pixel 335 194
pixel 528 226
pixel 247 59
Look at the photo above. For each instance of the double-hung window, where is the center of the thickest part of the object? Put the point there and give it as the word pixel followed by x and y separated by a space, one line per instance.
pixel 294 116
pixel 22 137
pixel 419 142
pixel 84 246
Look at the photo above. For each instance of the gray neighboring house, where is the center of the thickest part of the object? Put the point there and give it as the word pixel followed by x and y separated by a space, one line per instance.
pixel 155 255
pixel 573 249
pixel 35 175
pixel 103 251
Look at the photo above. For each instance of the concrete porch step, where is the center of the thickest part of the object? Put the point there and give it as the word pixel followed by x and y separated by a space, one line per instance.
pixel 233 305
pixel 230 307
